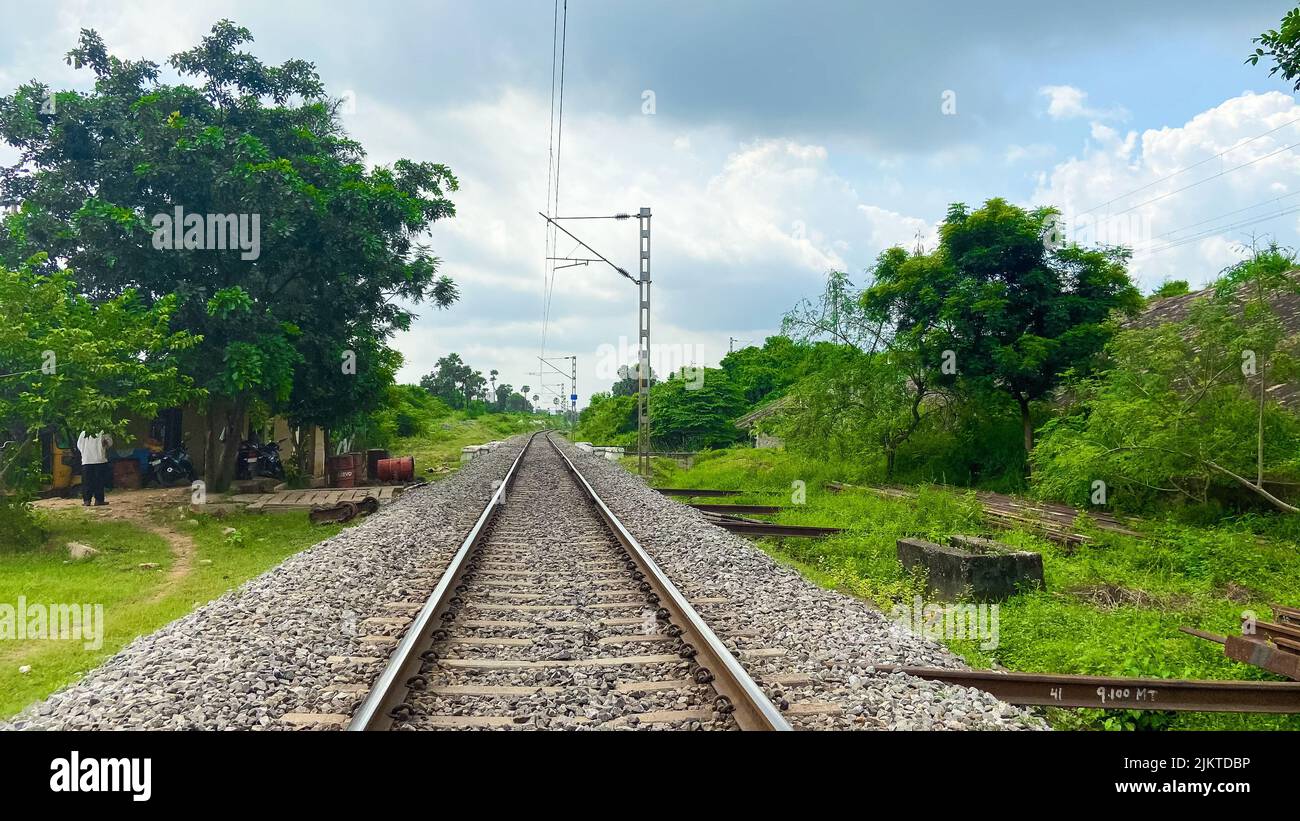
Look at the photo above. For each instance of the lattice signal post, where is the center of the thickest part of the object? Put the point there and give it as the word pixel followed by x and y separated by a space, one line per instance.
pixel 642 281
pixel 643 358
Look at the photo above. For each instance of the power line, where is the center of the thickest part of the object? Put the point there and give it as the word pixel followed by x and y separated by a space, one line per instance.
pixel 558 137
pixel 1203 181
pixel 1114 200
pixel 1226 214
pixel 550 169
pixel 1217 230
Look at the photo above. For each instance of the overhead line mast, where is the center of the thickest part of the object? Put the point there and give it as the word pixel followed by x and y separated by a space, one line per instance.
pixel 642 281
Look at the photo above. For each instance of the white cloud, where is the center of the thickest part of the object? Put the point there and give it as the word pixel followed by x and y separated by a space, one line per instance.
pixel 1034 151
pixel 1068 102
pixel 742 229
pixel 1192 224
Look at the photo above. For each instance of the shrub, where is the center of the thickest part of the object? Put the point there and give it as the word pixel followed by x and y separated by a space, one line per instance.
pixel 21 527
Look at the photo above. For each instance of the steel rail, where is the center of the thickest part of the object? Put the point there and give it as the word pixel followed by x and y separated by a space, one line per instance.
pixel 1120 693
pixel 402 674
pixel 757 527
pixel 751 707
pixel 714 507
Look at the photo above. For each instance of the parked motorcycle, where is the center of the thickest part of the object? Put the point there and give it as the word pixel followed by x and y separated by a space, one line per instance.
pixel 169 468
pixel 259 460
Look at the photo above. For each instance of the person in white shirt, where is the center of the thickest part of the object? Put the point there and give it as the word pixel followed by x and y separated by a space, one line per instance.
pixel 94 466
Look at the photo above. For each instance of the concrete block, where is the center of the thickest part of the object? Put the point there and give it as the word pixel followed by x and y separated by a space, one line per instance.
pixel 972 567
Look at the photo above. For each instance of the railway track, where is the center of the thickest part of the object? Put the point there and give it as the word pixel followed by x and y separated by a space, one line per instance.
pixel 551 615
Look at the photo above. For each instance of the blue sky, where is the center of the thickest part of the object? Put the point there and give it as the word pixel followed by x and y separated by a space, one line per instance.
pixel 787 139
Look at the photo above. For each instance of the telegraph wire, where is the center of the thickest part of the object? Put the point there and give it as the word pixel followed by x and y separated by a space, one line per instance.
pixel 1114 200
pixel 554 207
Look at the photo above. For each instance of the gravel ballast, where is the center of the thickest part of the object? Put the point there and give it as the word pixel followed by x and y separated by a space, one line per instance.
pixel 265 649
pixel 833 638
pixel 291 640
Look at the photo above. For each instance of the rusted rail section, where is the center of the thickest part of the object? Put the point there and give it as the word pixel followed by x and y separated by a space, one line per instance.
pixel 751 707
pixel 713 507
pixel 755 527
pixel 1120 693
pixel 693 492
pixel 1272 646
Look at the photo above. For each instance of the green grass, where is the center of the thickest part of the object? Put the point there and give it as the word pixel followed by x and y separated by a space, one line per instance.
pixel 1176 575
pixel 133 599
pixel 440 445
pixel 138 601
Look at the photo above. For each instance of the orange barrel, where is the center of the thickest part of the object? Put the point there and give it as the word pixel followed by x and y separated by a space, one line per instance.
pixel 342 470
pixel 372 461
pixel 397 470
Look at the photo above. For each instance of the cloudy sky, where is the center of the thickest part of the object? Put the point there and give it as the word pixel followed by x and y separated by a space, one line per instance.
pixel 785 140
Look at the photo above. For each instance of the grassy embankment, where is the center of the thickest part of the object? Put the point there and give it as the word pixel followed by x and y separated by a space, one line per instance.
pixel 137 600
pixel 439 446
pixel 1112 607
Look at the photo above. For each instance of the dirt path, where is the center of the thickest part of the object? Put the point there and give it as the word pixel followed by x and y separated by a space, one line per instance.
pixel 141 508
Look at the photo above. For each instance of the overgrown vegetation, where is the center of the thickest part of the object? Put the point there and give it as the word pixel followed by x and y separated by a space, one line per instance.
pixel 1184 409
pixel 997 353
pixel 1112 607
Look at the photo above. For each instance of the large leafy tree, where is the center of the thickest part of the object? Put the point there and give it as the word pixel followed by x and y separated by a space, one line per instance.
pixel 69 364
pixel 760 373
pixel 994 304
pixel 867 405
pixel 339 250
pixel 695 412
pixel 608 420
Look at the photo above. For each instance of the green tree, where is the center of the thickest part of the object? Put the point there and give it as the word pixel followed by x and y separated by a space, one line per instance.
pixel 837 315
pixel 446 379
pixel 338 385
pixel 994 304
pixel 1184 407
pixel 695 409
pixel 1282 46
pixel 332 257
pixel 867 405
pixel 501 393
pixel 761 373
pixel 608 420
pixel 70 364
pixel 518 403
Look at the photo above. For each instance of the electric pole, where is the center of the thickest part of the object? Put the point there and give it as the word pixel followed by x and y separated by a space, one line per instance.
pixel 643 319
pixel 643 376
pixel 573 378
